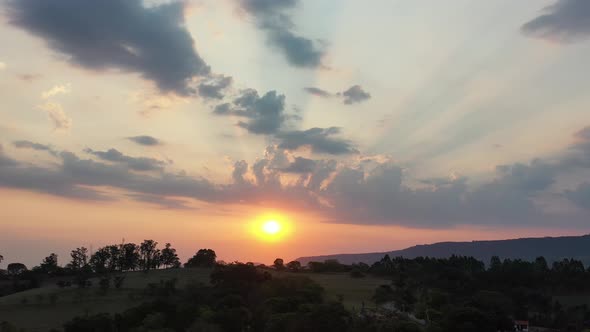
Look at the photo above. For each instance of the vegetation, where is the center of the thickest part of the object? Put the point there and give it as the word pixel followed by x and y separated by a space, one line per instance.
pixel 132 287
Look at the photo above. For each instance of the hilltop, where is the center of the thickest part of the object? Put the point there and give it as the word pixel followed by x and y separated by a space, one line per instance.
pixel 552 248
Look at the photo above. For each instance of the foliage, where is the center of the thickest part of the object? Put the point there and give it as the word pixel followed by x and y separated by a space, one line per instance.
pixel 203 258
pixel 15 269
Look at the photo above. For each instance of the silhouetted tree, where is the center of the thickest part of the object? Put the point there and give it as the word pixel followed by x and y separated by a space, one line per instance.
pixel 294 266
pixel 129 258
pixel 15 269
pixel 149 255
pixel 49 264
pixel 279 264
pixel 495 263
pixel 100 260
pixel 1 258
pixel 169 257
pixel 114 257
pixel 79 258
pixel 203 258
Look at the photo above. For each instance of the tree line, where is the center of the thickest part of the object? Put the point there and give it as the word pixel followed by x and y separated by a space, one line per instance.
pixel 109 259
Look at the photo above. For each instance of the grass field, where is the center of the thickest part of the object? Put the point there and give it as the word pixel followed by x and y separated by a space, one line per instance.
pixel 49 306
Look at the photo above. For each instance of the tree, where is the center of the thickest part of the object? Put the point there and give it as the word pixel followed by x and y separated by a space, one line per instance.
pixel 15 269
pixel 495 263
pixel 79 258
pixel 49 264
pixel 1 258
pixel 279 264
pixel 100 260
pixel 541 264
pixel 203 258
pixel 149 255
pixel 129 258
pixel 169 257
pixel 294 266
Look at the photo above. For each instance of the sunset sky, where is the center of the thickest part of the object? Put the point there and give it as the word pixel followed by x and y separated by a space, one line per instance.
pixel 360 125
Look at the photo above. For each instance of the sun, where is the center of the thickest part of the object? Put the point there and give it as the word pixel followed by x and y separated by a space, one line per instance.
pixel 271 227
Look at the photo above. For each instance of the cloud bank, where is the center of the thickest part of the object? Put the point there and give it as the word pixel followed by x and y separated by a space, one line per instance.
pixel 272 17
pixel 117 34
pixel 565 21
pixel 360 191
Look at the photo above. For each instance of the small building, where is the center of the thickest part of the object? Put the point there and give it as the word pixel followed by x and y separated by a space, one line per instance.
pixel 521 325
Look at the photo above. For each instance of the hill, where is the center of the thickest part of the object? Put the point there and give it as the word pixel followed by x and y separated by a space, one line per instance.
pixel 48 307
pixel 552 248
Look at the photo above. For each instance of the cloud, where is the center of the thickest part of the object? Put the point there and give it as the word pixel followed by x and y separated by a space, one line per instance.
pixel 355 94
pixel 263 115
pixel 29 77
pixel 56 90
pixel 136 164
pixel 213 88
pixel 319 140
pixel 578 154
pixel 272 16
pixel 5 160
pixel 117 34
pixel 163 202
pixel 2 65
pixel 583 134
pixel 363 190
pixel 565 21
pixel 145 140
pixel 61 122
pixel 24 144
pixel 317 92
pixel 580 196
pixel 300 166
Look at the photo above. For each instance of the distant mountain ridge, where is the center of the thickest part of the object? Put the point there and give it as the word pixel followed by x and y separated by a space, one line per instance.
pixel 552 248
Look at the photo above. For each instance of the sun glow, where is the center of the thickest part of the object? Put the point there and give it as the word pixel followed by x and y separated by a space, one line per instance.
pixel 271 227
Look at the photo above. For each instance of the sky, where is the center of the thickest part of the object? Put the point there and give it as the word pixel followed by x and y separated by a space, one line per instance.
pixel 360 125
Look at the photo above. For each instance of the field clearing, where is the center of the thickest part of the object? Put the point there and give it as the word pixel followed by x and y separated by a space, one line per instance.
pixel 352 291
pixel 49 306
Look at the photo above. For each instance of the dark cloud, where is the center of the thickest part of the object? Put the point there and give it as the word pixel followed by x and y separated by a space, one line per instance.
pixel 300 166
pixel 24 144
pixel 117 34
pixel 214 87
pixel 583 134
pixel 272 16
pixel 268 7
pixel 134 163
pixel 77 179
pixel 349 191
pixel 163 202
pixel 263 115
pixel 578 155
pixel 319 140
pixel 533 177
pixel 44 180
pixel 580 196
pixel 5 160
pixel 564 21
pixel 355 94
pixel 145 140
pixel 317 92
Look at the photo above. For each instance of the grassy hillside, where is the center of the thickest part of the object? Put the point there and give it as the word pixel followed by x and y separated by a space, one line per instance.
pixel 49 306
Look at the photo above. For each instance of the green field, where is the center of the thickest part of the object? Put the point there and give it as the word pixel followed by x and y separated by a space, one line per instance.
pixel 49 306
